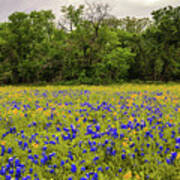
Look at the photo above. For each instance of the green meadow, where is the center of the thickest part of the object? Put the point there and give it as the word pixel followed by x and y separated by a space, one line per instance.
pixel 90 132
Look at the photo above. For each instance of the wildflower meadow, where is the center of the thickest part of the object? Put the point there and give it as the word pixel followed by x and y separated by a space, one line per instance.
pixel 125 132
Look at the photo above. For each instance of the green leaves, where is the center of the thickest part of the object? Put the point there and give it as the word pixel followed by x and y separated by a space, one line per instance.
pixel 89 46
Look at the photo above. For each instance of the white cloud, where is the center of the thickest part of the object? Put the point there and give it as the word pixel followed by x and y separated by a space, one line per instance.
pixel 119 8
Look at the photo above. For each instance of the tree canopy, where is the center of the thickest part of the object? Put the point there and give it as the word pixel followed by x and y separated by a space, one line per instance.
pixel 90 46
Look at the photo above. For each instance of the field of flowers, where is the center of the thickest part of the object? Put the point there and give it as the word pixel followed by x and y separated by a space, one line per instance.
pixel 128 132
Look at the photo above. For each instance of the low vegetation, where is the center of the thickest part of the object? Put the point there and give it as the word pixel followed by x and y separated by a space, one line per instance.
pixel 128 132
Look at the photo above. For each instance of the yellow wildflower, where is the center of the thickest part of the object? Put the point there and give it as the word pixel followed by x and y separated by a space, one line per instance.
pixel 15 111
pixel 3 143
pixel 115 113
pixel 178 156
pixel 124 144
pixel 145 129
pixel 35 145
pixel 138 177
pixel 128 175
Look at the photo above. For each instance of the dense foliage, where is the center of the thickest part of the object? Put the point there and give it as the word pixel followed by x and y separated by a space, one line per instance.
pixel 128 132
pixel 90 46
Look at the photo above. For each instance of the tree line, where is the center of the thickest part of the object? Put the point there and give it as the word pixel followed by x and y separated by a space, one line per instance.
pixel 90 46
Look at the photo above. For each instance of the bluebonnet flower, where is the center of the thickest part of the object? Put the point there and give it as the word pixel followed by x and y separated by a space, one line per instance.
pixel 52 142
pixel 173 156
pixel 51 155
pixel 97 127
pixel 9 150
pixel 11 171
pixel 73 168
pixel 82 161
pixel 123 156
pixel 70 155
pixel 8 177
pixel 18 172
pixel 2 150
pixel 36 156
pixel 83 178
pixel 17 162
pixel 96 158
pixel 31 170
pixel 161 148
pixel 62 162
pixel 93 149
pixel 113 152
pixel 84 151
pixel 177 146
pixel 58 129
pixel 100 169
pixel 95 176
pixel 120 170
pixel 43 161
pixel 132 145
pixel 25 145
pixel 51 171
pixel 168 161
pixel 178 140
pixel 83 168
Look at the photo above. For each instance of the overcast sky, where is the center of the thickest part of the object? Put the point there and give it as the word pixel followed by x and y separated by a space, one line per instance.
pixel 120 8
